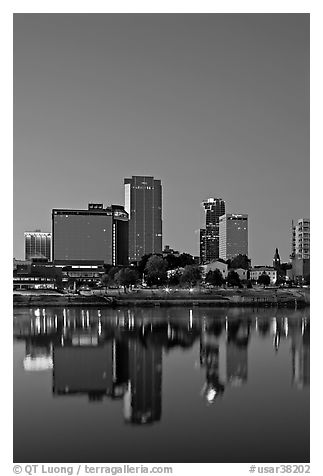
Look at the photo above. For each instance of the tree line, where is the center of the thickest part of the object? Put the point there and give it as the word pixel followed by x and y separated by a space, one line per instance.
pixel 172 270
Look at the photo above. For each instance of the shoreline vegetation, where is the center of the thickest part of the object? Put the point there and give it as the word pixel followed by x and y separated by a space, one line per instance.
pixel 255 297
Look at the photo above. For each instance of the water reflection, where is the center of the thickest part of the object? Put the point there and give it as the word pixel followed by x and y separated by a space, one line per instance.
pixel 120 355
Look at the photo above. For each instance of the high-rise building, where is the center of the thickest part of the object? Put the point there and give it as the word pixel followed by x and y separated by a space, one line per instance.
pixel 143 203
pixel 233 231
pixel 209 236
pixel 300 253
pixel 301 239
pixel 95 234
pixel 37 245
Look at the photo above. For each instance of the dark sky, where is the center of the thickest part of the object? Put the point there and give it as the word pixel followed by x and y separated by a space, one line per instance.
pixel 214 105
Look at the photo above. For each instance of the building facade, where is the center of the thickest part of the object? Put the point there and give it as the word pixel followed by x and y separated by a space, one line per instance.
pixel 143 203
pixel 301 239
pixel 257 271
pixel 212 266
pixel 37 245
pixel 209 235
pixel 95 234
pixel 233 235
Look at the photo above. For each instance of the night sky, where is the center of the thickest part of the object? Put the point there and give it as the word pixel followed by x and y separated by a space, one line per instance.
pixel 214 105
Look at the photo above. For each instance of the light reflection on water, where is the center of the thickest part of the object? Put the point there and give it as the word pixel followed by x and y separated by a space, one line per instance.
pixel 200 381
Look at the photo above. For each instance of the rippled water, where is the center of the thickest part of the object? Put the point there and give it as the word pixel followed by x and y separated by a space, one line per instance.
pixel 161 385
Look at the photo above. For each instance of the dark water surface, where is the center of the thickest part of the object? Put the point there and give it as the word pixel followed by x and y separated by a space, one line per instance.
pixel 161 385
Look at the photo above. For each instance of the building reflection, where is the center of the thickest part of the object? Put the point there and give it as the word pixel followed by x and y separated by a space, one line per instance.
pixel 238 333
pixel 121 357
pixel 142 402
pixel 301 356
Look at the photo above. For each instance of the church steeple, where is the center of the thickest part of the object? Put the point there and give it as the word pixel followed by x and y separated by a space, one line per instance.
pixel 276 260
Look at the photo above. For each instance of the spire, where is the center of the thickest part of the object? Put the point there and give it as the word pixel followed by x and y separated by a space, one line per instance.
pixel 276 260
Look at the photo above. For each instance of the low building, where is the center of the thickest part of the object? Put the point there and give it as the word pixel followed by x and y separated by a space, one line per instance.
pixel 33 282
pixel 257 271
pixel 36 276
pixel 243 273
pixel 78 274
pixel 212 266
pixel 21 264
pixel 300 270
pixel 169 251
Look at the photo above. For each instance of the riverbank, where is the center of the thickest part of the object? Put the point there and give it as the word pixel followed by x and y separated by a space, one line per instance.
pixel 255 297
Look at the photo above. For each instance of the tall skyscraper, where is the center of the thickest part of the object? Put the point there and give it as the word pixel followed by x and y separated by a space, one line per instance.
pixel 143 202
pixel 95 234
pixel 209 236
pixel 37 245
pixel 301 239
pixel 233 230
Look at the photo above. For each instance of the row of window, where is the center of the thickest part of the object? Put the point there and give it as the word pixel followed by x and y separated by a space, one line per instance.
pixel 32 279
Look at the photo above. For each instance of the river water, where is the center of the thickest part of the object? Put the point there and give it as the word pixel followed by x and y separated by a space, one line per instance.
pixel 161 385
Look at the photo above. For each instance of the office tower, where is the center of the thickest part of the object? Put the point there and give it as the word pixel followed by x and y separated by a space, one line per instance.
pixel 37 245
pixel 143 203
pixel 95 234
pixel 209 236
pixel 142 401
pixel 301 239
pixel 233 231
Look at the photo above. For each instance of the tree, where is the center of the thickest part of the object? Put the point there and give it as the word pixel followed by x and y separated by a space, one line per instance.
pixel 214 277
pixel 156 271
pixel 142 263
pixel 174 277
pixel 233 279
pixel 191 275
pixel 108 279
pixel 172 261
pixel 185 259
pixel 264 279
pixel 239 261
pixel 126 277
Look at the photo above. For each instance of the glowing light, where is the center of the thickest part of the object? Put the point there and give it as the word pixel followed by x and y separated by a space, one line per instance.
pixel 211 394
pixel 191 317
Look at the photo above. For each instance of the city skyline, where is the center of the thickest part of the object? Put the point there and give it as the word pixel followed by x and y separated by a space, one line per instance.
pixel 206 103
pixel 209 216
